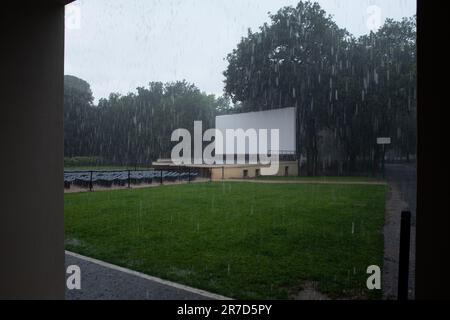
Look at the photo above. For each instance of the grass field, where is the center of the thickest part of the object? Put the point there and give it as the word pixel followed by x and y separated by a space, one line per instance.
pixel 322 179
pixel 242 240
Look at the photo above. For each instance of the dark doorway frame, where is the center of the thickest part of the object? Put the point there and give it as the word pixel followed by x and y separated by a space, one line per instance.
pixel 31 219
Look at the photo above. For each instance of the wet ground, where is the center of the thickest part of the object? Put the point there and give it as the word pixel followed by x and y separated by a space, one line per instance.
pixel 402 180
pixel 102 281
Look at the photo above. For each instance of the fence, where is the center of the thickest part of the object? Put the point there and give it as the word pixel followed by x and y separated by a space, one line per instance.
pixel 126 178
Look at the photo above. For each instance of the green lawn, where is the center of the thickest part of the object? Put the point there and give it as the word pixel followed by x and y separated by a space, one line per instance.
pixel 242 240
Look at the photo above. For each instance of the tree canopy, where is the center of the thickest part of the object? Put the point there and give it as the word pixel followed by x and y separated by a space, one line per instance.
pixel 348 91
pixel 134 129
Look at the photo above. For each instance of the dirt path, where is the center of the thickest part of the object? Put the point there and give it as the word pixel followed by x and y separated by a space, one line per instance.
pixel 377 183
pixel 75 189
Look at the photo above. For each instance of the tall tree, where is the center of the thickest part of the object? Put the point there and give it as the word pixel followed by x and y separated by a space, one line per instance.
pixel 78 116
pixel 348 91
pixel 291 62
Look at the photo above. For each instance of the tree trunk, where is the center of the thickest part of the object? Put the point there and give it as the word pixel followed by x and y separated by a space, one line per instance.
pixel 352 163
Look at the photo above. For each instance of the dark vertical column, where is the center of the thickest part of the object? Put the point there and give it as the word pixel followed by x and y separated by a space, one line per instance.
pixel 433 170
pixel 31 140
pixel 405 247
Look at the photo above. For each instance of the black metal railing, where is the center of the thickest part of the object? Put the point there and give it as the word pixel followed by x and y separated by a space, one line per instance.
pixel 110 178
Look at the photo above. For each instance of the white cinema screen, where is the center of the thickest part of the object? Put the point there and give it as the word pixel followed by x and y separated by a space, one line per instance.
pixel 281 119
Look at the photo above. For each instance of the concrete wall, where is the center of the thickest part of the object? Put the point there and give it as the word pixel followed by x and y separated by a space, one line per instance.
pixel 237 172
pixel 31 161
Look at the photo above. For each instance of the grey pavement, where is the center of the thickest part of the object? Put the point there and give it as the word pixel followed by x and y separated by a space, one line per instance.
pixel 402 195
pixel 102 282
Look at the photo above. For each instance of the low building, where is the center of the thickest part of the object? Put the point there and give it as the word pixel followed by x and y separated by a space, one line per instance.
pixel 229 171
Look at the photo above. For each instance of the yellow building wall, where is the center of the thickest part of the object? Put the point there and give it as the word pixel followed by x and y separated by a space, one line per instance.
pixel 237 172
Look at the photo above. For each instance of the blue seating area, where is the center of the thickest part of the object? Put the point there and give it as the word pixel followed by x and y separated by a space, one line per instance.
pixel 122 178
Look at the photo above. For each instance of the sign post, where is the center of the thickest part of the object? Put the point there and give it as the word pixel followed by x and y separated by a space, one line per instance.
pixel 383 141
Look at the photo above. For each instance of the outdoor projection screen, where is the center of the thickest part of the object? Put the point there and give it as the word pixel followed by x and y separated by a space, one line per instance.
pixel 281 119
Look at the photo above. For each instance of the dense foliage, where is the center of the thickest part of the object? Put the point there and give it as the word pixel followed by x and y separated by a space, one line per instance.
pixel 348 91
pixel 133 129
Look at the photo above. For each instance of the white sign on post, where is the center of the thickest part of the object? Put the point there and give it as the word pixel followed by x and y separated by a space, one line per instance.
pixel 383 140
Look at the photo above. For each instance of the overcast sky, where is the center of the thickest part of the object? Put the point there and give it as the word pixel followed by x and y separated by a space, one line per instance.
pixel 118 45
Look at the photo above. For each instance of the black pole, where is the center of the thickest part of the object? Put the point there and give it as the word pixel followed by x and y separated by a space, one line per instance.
pixel 403 265
pixel 129 179
pixel 161 180
pixel 90 182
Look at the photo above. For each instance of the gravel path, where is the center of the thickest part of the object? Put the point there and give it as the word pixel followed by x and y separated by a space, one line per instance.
pixel 402 196
pixel 103 281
